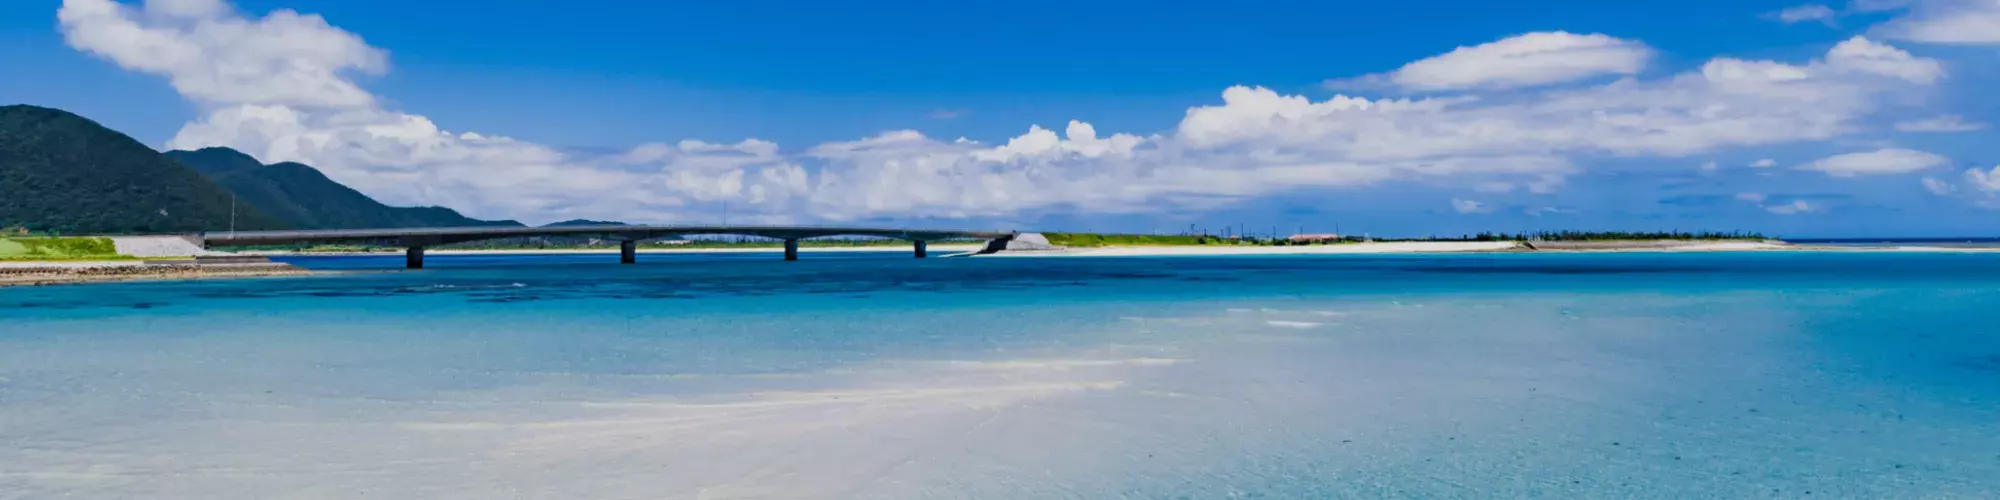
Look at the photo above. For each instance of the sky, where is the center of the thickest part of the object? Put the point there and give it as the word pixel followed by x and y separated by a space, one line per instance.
pixel 1864 118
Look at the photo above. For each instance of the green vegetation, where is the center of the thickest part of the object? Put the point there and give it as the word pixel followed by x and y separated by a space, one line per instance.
pixel 50 248
pixel 302 197
pixel 1605 236
pixel 1082 240
pixel 61 173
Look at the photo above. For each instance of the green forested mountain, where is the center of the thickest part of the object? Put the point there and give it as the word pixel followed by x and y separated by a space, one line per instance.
pixel 64 173
pixel 302 197
pixel 211 161
pixel 584 222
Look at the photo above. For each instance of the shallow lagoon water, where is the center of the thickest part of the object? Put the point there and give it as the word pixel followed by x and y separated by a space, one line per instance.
pixel 878 376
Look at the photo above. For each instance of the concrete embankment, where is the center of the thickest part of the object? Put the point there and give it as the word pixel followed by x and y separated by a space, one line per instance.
pixel 50 273
pixel 159 246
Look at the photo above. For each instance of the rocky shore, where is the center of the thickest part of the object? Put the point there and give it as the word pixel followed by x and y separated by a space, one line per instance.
pixel 52 273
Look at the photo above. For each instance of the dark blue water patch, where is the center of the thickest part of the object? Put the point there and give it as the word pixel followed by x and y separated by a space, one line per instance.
pixel 1560 269
pixel 538 278
pixel 1989 363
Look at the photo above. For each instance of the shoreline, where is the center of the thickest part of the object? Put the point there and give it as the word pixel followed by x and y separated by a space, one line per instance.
pixel 1479 247
pixel 611 251
pixel 39 273
pixel 44 273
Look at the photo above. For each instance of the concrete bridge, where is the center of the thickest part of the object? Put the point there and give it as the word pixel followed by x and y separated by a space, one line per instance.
pixel 414 240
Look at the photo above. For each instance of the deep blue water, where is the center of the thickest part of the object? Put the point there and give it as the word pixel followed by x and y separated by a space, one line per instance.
pixel 864 375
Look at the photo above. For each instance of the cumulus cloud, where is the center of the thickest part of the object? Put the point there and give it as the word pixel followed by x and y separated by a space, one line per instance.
pixel 1465 206
pixel 1958 22
pixel 1765 163
pixel 1526 60
pixel 1987 181
pixel 1778 204
pixel 283 88
pixel 1938 187
pixel 1795 207
pixel 210 54
pixel 1941 123
pixel 1807 12
pixel 1878 162
pixel 1866 56
pixel 1042 143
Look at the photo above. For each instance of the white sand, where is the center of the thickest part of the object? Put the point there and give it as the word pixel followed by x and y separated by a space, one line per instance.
pixel 1352 248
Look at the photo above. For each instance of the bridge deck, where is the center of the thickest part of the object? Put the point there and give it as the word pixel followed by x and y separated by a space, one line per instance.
pixel 415 239
pixel 410 237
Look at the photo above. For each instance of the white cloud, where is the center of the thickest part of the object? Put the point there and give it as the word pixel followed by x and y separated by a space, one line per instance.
pixel 1941 123
pixel 1795 207
pixel 1938 187
pixel 1878 162
pixel 1730 102
pixel 1465 206
pixel 945 114
pixel 1984 180
pixel 1526 60
pixel 1876 5
pixel 1710 166
pixel 290 96
pixel 1082 142
pixel 211 54
pixel 1807 12
pixel 1864 55
pixel 1960 22
pixel 1765 163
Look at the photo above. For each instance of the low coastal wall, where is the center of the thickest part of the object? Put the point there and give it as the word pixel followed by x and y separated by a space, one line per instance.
pixel 48 273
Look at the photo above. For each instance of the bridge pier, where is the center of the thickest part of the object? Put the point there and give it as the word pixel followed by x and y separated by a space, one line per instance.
pixel 791 249
pixel 921 250
pixel 413 258
pixel 628 252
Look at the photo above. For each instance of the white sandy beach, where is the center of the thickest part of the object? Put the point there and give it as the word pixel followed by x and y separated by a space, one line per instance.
pixel 1206 250
pixel 1402 247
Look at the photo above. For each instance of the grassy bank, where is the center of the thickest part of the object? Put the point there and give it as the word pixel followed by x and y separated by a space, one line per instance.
pixel 59 249
pixel 1085 240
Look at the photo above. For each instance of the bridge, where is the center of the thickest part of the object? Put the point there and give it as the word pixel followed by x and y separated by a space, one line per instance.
pixel 414 240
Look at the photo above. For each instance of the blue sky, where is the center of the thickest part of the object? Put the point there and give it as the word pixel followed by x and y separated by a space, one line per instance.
pixel 597 100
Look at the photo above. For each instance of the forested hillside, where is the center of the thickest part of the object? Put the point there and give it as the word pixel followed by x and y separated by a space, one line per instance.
pixel 63 173
pixel 302 197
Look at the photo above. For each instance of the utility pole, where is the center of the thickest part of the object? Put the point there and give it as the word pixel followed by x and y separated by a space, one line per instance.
pixel 232 216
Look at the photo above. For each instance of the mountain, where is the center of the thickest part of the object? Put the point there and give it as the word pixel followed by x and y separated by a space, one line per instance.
pixel 303 197
pixel 584 222
pixel 64 173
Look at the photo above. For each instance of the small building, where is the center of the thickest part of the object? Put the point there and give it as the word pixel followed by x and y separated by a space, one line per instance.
pixel 1314 238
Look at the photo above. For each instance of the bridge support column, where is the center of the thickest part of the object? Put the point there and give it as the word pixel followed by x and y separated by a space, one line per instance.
pixel 791 249
pixel 413 258
pixel 628 252
pixel 921 250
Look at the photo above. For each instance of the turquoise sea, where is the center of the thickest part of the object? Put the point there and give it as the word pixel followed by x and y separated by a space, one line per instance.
pixel 863 375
